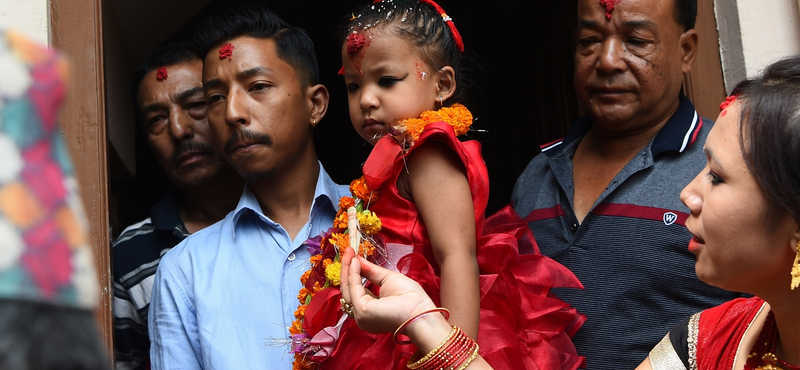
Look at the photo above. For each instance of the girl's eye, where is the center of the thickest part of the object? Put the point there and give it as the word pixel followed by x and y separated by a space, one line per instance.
pixel 351 87
pixel 214 99
pixel 387 81
pixel 714 178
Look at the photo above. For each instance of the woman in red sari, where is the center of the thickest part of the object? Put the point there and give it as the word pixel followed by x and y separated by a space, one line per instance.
pixel 745 212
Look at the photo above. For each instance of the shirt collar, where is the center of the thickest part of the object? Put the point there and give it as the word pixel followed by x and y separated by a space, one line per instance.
pixel 165 214
pixel 679 133
pixel 326 192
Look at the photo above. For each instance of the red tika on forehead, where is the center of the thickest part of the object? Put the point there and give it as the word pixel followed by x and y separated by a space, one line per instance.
pixel 728 101
pixel 226 51
pixel 355 41
pixel 609 5
pixel 161 73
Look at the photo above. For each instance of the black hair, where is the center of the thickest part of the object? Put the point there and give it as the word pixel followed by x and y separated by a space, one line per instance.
pixel 165 55
pixel 292 44
pixel 423 26
pixel 686 13
pixel 42 336
pixel 770 128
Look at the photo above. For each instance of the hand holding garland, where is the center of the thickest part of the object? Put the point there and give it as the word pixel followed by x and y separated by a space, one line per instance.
pixel 400 299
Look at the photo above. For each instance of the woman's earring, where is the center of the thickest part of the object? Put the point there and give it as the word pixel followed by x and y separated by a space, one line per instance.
pixel 314 124
pixel 441 101
pixel 796 269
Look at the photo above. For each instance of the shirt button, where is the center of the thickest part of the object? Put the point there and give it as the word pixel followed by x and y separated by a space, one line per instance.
pixel 573 228
pixel 291 257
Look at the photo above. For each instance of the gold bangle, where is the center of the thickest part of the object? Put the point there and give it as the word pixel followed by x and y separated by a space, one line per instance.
pixel 415 364
pixel 471 358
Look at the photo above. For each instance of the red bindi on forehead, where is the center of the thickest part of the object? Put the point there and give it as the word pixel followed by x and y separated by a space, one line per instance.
pixel 609 5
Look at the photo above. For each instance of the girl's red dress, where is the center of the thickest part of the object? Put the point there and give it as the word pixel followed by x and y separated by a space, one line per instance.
pixel 522 326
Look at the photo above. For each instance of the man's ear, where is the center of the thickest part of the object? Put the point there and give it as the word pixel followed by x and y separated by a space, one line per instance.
pixel 447 83
pixel 688 42
pixel 318 99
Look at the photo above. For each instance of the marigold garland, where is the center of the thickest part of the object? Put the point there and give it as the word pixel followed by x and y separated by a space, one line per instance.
pixel 457 116
pixel 326 266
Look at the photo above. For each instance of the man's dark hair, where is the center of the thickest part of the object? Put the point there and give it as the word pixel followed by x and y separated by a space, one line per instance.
pixel 293 45
pixel 42 336
pixel 686 13
pixel 165 55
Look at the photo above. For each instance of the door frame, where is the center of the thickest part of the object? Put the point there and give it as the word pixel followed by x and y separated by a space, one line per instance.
pixel 76 31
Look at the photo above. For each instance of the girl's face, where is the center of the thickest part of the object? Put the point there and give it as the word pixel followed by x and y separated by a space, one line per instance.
pixel 738 245
pixel 386 79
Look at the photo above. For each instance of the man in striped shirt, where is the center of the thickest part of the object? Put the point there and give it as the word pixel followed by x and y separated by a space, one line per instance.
pixel 171 109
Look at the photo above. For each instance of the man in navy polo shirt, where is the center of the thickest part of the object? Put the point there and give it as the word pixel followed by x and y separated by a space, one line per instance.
pixel 604 201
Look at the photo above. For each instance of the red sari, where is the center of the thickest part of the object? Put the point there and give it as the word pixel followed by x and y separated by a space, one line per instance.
pixel 717 334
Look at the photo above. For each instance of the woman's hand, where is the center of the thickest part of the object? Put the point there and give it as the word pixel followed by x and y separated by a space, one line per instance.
pixel 400 297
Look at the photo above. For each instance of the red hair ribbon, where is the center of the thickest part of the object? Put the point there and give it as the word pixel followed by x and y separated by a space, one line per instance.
pixel 446 18
pixel 161 73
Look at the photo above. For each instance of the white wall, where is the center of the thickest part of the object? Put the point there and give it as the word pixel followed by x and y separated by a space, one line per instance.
pixel 27 16
pixel 770 31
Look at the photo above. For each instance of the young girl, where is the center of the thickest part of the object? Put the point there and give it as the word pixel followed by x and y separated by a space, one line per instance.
pixel 402 60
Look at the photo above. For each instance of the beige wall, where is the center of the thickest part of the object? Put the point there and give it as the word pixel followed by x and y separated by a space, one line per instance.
pixel 27 16
pixel 770 31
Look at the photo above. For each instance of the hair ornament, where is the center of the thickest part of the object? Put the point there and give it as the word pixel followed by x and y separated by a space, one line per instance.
pixel 161 73
pixel 448 20
pixel 226 51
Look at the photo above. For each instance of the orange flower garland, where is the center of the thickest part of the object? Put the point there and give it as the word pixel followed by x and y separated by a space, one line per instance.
pixel 326 264
pixel 457 116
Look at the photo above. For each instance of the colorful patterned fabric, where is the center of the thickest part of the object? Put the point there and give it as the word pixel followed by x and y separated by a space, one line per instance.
pixel 44 254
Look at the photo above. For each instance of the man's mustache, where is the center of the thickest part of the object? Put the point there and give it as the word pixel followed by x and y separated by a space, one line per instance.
pixel 248 136
pixel 189 147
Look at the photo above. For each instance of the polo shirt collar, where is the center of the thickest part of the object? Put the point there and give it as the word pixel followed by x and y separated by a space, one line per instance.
pixel 165 215
pixel 679 133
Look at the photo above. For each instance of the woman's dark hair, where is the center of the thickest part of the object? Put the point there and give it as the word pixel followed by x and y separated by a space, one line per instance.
pixel 42 336
pixel 423 26
pixel 254 20
pixel 770 128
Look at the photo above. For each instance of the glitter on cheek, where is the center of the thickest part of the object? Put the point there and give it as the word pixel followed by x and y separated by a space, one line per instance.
pixel 422 74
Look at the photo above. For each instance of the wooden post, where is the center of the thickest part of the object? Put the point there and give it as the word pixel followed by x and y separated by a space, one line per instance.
pixel 76 31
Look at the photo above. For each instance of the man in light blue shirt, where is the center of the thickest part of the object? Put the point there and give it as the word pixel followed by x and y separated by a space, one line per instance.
pixel 225 296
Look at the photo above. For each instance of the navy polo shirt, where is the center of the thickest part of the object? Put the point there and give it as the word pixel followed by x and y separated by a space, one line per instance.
pixel 630 252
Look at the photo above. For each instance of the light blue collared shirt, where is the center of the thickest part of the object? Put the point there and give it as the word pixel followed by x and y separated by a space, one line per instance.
pixel 224 297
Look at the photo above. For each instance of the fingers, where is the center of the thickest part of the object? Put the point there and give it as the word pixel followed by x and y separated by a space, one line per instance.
pixel 347 258
pixel 376 274
pixel 356 290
